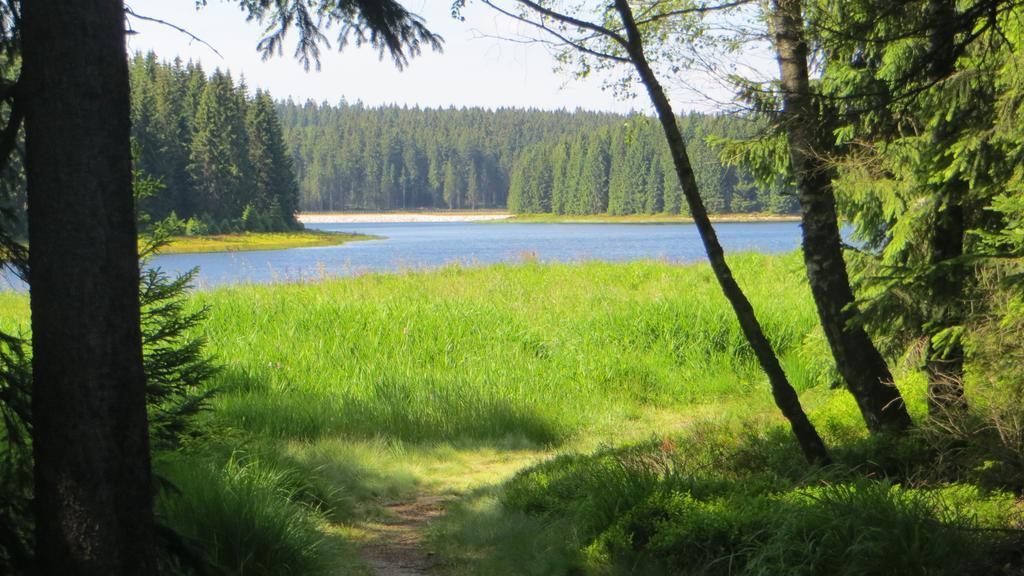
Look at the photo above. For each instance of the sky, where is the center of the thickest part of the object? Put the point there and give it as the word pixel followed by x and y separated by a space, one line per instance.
pixel 475 69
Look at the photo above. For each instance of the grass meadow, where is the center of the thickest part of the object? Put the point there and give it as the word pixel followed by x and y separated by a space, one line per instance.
pixel 586 418
pixel 533 353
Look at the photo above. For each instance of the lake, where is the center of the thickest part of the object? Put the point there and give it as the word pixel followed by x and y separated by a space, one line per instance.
pixel 428 245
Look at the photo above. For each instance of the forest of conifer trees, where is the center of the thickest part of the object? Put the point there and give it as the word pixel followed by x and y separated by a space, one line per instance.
pixel 231 161
pixel 217 150
pixel 352 157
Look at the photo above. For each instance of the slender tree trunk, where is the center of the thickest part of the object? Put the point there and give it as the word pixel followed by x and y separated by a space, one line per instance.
pixel 858 360
pixel 785 396
pixel 92 467
pixel 945 368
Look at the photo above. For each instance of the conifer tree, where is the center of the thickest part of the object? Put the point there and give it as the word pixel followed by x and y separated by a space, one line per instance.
pixel 863 368
pixel 219 161
pixel 275 190
pixel 452 186
pixel 593 179
pixel 92 487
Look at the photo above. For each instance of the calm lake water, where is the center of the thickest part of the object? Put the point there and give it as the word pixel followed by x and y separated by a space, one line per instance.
pixel 418 245
pixel 428 245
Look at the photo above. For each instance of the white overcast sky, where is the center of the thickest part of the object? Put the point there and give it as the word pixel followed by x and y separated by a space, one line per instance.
pixel 473 70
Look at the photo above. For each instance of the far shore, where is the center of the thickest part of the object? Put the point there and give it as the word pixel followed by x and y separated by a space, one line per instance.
pixel 752 218
pixel 373 217
pixel 498 216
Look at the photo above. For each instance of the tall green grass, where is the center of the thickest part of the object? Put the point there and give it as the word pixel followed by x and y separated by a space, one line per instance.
pixel 723 501
pixel 338 393
pixel 626 391
pixel 541 352
pixel 247 515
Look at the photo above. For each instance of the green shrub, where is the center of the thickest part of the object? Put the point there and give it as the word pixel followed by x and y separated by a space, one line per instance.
pixel 672 531
pixel 870 528
pixel 195 227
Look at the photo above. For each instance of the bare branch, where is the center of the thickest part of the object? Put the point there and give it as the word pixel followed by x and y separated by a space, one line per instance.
pixel 572 21
pixel 561 37
pixel 702 9
pixel 128 10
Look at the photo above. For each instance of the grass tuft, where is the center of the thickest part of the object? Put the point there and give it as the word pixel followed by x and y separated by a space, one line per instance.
pixel 246 515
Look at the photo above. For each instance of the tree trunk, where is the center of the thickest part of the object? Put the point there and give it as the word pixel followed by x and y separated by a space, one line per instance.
pixel 785 396
pixel 92 466
pixel 858 360
pixel 945 368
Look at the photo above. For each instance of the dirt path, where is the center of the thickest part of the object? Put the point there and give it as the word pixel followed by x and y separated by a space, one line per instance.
pixel 395 542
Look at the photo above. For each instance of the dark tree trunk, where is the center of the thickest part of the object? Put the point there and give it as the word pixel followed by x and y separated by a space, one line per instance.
pixel 785 396
pixel 945 367
pixel 92 468
pixel 858 360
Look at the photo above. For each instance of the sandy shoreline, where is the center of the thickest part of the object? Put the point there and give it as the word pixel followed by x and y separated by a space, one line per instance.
pixel 398 217
pixel 366 218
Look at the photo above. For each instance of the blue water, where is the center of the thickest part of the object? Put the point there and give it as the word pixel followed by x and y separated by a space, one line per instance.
pixel 428 245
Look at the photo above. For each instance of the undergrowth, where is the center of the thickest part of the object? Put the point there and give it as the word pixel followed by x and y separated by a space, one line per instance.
pixel 722 501
pixel 591 418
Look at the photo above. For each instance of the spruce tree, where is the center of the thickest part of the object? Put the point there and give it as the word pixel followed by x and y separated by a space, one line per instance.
pixel 219 160
pixel 452 186
pixel 275 191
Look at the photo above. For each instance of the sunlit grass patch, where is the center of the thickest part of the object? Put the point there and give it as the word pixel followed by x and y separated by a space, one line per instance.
pixel 249 241
pixel 534 351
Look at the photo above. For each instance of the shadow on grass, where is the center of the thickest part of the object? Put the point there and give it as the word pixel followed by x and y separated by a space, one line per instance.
pixel 724 502
pixel 390 408
pixel 253 506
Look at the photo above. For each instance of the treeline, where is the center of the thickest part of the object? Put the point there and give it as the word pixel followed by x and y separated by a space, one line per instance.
pixel 229 160
pixel 349 156
pixel 626 168
pixel 217 150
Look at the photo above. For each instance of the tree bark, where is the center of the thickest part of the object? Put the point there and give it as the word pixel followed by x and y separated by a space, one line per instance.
pixel 783 393
pixel 92 463
pixel 859 362
pixel 945 368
